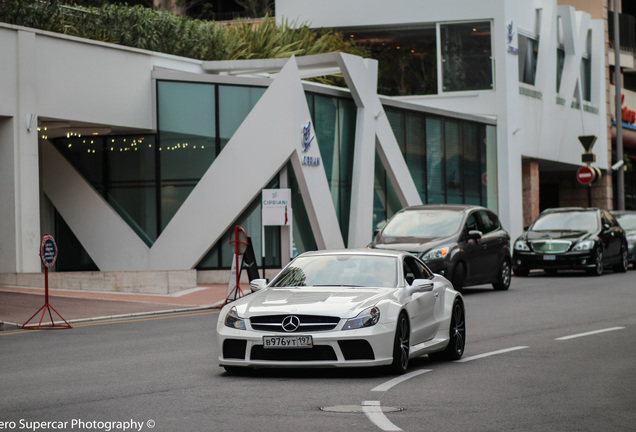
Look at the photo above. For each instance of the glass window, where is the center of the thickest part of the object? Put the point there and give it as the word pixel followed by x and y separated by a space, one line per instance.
pixel 435 161
pixel 87 156
pixel 423 224
pixel 488 223
pixel 187 140
pixel 472 170
pixel 454 158
pixel 235 103
pixel 132 188
pixel 334 123
pixel 407 59
pixel 385 199
pixel 466 56
pixel 416 151
pixel 586 79
pixel 528 52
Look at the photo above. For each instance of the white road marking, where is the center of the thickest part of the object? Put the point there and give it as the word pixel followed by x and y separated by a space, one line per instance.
pixel 492 353
pixel 589 333
pixel 395 381
pixel 373 410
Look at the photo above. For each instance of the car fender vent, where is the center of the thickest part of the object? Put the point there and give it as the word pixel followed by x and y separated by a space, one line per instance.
pixel 234 349
pixel 357 349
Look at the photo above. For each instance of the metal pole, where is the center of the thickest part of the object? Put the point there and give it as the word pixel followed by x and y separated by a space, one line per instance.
pixel 620 174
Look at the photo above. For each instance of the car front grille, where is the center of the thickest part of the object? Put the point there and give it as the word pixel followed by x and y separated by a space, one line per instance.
pixel 317 353
pixel 551 246
pixel 307 323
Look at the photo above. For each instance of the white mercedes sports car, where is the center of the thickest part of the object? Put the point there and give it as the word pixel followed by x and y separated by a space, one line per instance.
pixel 344 308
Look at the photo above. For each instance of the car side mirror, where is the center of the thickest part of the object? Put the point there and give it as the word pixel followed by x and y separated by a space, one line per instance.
pixel 258 284
pixel 419 286
pixel 474 235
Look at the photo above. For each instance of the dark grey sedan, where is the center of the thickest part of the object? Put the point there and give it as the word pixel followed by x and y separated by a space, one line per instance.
pixel 467 244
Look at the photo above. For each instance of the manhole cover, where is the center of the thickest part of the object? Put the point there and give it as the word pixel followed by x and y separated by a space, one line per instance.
pixel 348 409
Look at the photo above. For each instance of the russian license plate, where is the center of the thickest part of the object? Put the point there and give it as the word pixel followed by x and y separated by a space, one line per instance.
pixel 549 258
pixel 287 342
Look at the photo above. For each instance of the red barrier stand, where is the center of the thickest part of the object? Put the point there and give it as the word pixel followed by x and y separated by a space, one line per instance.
pixel 48 255
pixel 238 245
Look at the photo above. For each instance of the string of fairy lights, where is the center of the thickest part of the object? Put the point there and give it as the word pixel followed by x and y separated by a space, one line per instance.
pixel 120 144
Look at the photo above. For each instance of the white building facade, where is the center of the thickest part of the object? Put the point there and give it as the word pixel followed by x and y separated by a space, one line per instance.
pixel 141 164
pixel 547 81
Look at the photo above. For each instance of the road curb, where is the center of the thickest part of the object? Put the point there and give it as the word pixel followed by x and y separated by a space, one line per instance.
pixel 5 325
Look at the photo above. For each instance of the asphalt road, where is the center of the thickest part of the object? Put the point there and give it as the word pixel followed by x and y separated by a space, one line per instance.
pixel 552 353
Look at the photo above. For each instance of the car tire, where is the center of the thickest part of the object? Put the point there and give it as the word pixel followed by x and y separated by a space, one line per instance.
pixel 401 348
pixel 504 274
pixel 457 332
pixel 521 271
pixel 622 266
pixel 598 263
pixel 459 276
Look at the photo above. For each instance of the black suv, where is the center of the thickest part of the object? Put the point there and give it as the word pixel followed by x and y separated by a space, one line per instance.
pixel 571 238
pixel 464 243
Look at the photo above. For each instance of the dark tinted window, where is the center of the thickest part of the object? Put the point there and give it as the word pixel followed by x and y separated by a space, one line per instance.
pixel 489 221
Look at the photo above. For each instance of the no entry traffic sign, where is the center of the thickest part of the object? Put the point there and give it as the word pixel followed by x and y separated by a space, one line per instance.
pixel 586 175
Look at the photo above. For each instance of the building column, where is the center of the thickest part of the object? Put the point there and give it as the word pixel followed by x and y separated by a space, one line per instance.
pixel 530 183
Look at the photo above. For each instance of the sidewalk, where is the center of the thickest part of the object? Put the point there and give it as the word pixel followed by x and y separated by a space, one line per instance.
pixel 18 304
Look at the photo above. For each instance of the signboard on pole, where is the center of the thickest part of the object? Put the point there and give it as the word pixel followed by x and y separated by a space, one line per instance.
pixel 276 207
pixel 48 250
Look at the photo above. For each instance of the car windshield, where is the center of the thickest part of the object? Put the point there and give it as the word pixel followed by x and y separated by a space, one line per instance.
pixel 627 221
pixel 570 221
pixel 339 270
pixel 423 224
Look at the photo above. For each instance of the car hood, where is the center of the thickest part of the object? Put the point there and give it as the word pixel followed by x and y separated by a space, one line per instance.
pixel 411 245
pixel 572 236
pixel 339 301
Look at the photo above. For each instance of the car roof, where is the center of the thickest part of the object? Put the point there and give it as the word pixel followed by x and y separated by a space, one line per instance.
pixel 453 207
pixel 569 209
pixel 362 251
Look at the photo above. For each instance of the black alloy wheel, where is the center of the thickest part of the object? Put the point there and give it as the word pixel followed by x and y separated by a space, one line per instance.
pixel 503 276
pixel 622 266
pixel 598 263
pixel 401 346
pixel 457 333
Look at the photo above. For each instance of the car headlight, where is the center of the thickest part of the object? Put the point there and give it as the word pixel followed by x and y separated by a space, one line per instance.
pixel 234 321
pixel 521 245
pixel 435 254
pixel 367 318
pixel 584 245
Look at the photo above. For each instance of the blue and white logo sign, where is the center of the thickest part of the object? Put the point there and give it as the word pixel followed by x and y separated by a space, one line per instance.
pixel 512 42
pixel 307 138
